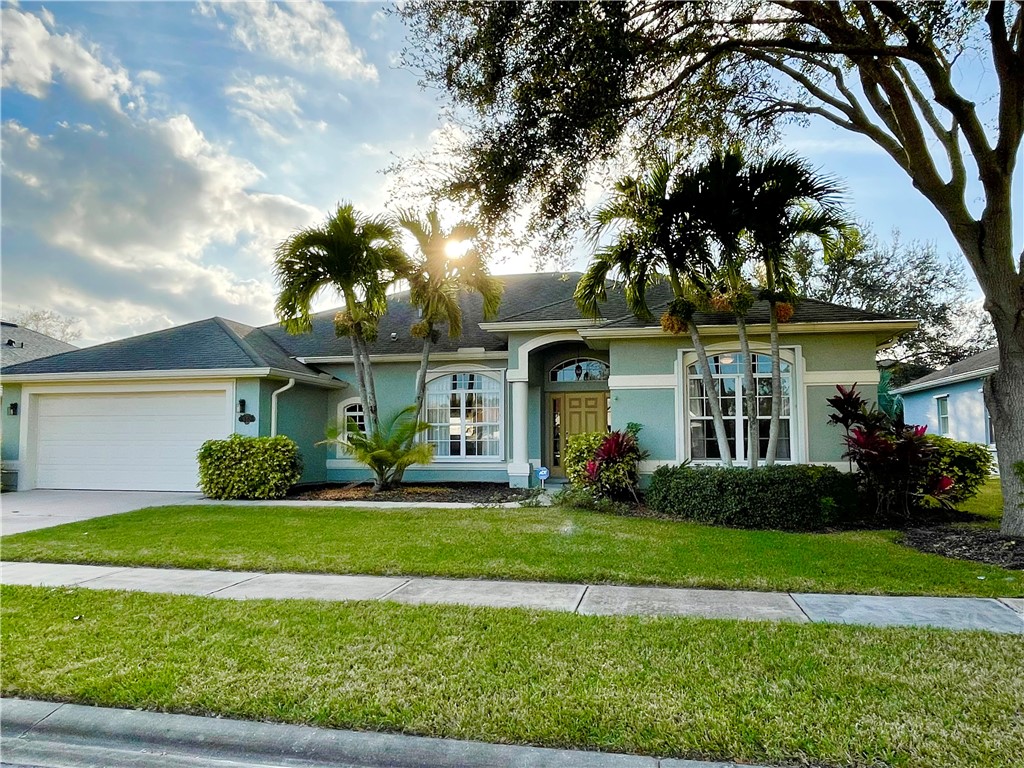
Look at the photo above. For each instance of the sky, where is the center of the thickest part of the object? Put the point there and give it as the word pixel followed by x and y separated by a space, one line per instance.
pixel 154 153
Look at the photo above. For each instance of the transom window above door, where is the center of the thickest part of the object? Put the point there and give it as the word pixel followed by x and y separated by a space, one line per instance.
pixel 727 372
pixel 580 369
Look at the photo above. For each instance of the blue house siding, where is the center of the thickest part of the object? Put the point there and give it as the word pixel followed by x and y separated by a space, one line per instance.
pixel 301 415
pixel 10 426
pixel 968 418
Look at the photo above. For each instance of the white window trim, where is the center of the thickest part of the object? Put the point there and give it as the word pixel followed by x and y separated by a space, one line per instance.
pixel 339 451
pixel 498 375
pixel 938 416
pixel 798 427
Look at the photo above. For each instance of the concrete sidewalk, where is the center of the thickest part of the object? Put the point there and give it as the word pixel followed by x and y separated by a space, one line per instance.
pixel 43 734
pixel 1005 615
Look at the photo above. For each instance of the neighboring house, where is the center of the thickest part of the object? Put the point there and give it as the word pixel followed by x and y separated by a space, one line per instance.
pixel 18 345
pixel 950 402
pixel 501 400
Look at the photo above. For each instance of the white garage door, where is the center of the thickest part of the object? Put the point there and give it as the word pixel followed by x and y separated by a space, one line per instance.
pixel 136 441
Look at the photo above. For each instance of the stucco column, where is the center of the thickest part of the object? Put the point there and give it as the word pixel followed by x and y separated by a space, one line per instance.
pixel 519 467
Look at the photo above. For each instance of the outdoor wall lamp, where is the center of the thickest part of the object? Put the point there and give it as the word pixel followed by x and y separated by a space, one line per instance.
pixel 241 405
pixel 12 409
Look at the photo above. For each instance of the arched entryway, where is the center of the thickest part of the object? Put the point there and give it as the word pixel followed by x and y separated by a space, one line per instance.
pixel 575 385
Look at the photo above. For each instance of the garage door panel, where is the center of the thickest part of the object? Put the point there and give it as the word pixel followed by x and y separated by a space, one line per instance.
pixel 130 441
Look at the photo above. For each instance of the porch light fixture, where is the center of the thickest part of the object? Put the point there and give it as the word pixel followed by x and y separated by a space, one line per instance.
pixel 12 409
pixel 241 405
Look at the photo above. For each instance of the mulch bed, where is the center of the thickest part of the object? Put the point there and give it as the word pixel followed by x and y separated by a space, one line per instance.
pixel 982 545
pixel 473 493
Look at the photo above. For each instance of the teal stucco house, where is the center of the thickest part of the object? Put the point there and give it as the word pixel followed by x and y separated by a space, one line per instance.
pixel 501 400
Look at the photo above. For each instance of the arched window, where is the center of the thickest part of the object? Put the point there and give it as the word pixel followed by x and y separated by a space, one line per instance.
pixel 349 411
pixel 464 413
pixel 727 370
pixel 580 369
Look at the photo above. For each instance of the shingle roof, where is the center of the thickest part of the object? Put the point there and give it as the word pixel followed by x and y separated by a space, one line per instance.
pixel 982 363
pixel 536 297
pixel 203 345
pixel 522 293
pixel 18 345
pixel 617 315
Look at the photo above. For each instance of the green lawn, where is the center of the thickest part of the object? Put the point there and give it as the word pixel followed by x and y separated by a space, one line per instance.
pixel 673 687
pixel 533 544
pixel 987 505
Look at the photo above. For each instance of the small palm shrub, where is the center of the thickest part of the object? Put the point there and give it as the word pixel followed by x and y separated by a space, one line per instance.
pixel 249 467
pixel 389 451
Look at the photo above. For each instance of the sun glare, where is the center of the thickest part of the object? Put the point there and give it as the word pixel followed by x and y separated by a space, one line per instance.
pixel 456 249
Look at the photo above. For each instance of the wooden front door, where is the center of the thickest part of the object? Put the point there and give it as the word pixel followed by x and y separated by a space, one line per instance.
pixel 569 414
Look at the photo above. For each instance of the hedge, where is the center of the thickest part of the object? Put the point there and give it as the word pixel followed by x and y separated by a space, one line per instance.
pixel 249 467
pixel 783 497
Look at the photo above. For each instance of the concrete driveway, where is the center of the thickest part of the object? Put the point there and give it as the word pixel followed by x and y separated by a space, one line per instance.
pixel 28 510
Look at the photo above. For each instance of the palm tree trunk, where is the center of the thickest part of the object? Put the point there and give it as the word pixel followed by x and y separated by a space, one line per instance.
pixel 421 395
pixel 712 392
pixel 372 414
pixel 421 376
pixel 750 396
pixel 776 422
pixel 357 362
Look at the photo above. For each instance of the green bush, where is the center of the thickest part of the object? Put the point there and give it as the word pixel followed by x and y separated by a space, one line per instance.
pixel 968 465
pixel 783 497
pixel 578 450
pixel 249 467
pixel 587 498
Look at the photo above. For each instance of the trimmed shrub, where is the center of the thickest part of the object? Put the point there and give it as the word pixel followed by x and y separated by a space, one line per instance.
pixel 783 497
pixel 968 465
pixel 580 449
pixel 249 467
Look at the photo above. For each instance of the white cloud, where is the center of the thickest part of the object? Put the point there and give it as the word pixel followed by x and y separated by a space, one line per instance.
pixel 305 35
pixel 269 105
pixel 33 56
pixel 131 222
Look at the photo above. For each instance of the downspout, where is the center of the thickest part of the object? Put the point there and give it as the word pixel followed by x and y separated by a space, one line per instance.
pixel 273 406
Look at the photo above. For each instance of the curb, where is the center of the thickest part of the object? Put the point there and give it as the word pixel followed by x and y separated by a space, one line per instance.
pixel 43 733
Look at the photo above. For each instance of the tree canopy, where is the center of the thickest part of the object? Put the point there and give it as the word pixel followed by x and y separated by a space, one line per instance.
pixel 903 279
pixel 551 93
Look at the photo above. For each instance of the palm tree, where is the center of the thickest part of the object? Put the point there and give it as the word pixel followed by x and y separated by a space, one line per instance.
pixel 787 201
pixel 360 257
pixel 390 449
pixel 661 236
pixel 437 278
pixel 721 184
